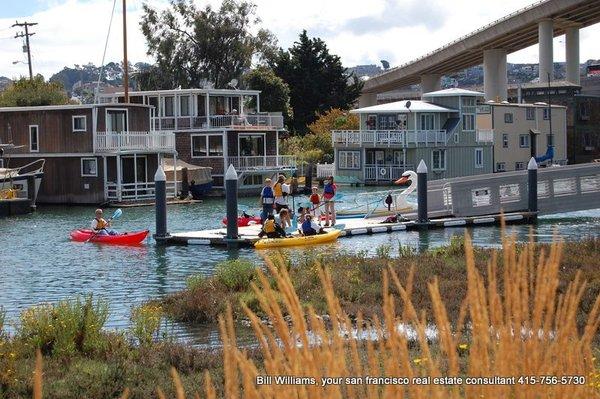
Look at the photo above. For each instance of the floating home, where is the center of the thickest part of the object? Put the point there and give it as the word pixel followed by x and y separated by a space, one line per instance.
pixel 216 128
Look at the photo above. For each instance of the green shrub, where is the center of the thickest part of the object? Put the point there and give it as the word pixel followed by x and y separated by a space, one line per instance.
pixel 2 320
pixel 195 281
pixel 145 323
pixel 383 251
pixel 236 274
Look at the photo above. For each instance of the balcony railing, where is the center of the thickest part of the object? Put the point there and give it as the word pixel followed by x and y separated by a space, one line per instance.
pixel 135 191
pixel 385 172
pixel 267 162
pixel 403 138
pixel 244 122
pixel 485 136
pixel 134 141
pixel 325 170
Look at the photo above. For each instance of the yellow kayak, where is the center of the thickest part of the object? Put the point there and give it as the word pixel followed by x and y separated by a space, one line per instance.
pixel 297 240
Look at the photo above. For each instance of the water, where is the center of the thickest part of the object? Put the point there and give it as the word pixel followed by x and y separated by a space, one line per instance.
pixel 39 264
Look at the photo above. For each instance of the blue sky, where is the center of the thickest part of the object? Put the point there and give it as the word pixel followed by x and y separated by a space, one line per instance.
pixel 360 31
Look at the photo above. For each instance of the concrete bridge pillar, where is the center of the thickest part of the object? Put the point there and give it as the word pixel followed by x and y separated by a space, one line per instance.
pixel 495 81
pixel 367 100
pixel 431 83
pixel 545 37
pixel 572 54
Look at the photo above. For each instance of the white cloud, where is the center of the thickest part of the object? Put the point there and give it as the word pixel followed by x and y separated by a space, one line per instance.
pixel 361 32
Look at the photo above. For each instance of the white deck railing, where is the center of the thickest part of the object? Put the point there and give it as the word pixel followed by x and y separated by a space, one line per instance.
pixel 385 172
pixel 134 191
pixel 403 138
pixel 485 136
pixel 134 141
pixel 255 121
pixel 325 170
pixel 267 162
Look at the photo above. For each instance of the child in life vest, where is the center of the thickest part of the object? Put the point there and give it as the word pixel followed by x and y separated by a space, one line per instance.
pixel 310 228
pixel 267 198
pixel 271 229
pixel 315 203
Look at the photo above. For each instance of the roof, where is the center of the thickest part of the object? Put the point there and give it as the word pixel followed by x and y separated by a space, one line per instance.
pixel 400 107
pixel 222 92
pixel 69 107
pixel 452 92
pixel 526 105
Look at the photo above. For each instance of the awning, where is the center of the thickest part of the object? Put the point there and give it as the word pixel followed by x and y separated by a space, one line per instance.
pixel 200 174
pixel 534 131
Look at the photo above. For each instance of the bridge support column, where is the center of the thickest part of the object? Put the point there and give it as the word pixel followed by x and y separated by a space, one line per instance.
pixel 572 54
pixel 546 54
pixel 431 83
pixel 495 82
pixel 367 100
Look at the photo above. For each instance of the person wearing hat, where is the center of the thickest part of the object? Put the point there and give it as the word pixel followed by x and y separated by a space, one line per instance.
pixel 267 198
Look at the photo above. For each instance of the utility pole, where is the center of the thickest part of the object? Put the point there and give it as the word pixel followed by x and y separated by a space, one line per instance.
pixel 125 66
pixel 551 135
pixel 26 35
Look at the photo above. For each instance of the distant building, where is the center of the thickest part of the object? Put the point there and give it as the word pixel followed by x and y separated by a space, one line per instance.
pixel 392 138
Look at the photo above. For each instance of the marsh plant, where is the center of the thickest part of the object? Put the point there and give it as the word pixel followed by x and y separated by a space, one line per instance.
pixel 145 323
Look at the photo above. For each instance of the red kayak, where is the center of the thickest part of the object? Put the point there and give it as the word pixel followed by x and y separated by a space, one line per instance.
pixel 244 221
pixel 132 238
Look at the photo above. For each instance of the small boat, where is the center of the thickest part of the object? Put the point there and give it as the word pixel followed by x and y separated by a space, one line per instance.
pixel 22 182
pixel 243 221
pixel 297 240
pixel 132 238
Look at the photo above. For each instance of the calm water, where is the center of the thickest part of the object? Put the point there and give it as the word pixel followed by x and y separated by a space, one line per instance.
pixel 38 263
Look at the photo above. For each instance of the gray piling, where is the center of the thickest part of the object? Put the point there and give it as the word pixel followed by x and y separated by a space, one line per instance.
pixel 160 201
pixel 422 216
pixel 231 198
pixel 185 184
pixel 532 185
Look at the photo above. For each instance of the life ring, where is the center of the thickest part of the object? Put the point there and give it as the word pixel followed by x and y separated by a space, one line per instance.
pixel 383 171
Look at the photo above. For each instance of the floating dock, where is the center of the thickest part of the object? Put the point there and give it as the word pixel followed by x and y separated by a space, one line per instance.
pixel 350 227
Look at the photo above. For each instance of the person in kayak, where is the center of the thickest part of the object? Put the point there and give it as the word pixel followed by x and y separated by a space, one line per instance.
pixel 267 198
pixel 100 226
pixel 271 228
pixel 310 228
pixel 329 191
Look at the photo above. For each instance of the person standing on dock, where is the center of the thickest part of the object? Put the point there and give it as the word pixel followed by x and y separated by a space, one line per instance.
pixel 267 198
pixel 329 191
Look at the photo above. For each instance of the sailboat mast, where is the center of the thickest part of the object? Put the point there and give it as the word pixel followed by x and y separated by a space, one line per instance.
pixel 125 64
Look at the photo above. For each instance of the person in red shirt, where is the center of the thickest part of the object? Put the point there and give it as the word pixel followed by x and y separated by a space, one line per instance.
pixel 315 203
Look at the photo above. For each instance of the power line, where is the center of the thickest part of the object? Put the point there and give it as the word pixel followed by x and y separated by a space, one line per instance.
pixel 26 35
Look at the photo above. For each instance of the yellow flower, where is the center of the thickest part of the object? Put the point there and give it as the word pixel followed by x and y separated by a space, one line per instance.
pixel 463 346
pixel 419 360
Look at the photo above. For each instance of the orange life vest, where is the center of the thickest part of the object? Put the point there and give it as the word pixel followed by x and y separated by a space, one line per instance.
pixel 100 223
pixel 278 190
pixel 269 226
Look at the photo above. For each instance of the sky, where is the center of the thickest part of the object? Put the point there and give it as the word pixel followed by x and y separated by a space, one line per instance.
pixel 359 31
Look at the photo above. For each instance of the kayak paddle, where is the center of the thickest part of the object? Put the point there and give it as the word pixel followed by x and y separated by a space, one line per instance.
pixel 117 214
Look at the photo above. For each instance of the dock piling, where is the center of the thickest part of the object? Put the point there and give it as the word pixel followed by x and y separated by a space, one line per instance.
pixel 231 198
pixel 532 183
pixel 160 200
pixel 422 216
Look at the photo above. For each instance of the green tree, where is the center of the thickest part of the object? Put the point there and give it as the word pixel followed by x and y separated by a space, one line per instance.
pixel 317 80
pixel 25 92
pixel 274 92
pixel 192 45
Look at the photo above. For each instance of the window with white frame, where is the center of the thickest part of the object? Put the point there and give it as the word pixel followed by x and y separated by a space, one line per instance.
pixel 479 157
pixel 468 122
pixel 79 123
pixel 504 140
pixel 89 167
pixel 349 160
pixel 438 159
pixel 34 137
pixel 530 113
pixel 207 145
pixel 519 165
pixel 524 141
pixel 501 167
pixel 508 117
pixel 184 105
pixel 468 101
pixel 546 113
pixel 427 121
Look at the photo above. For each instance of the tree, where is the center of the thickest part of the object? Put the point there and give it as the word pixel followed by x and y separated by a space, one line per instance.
pixel 274 92
pixel 317 80
pixel 25 92
pixel 193 45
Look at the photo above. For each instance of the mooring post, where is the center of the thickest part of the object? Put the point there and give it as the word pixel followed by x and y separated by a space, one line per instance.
pixel 532 186
pixel 160 201
pixel 231 198
pixel 422 217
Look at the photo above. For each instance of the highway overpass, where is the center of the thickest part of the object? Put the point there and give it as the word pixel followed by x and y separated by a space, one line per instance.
pixel 489 45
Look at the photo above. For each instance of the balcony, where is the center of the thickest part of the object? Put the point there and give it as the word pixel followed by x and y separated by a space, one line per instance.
pixel 385 172
pixel 260 163
pixel 485 136
pixel 390 138
pixel 110 142
pixel 235 122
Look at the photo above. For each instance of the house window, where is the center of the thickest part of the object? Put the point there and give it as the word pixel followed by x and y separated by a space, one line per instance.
pixel 89 167
pixel 530 113
pixel 372 122
pixel 508 117
pixel 79 123
pixel 184 106
pixel 584 112
pixel 34 143
pixel 546 113
pixel 169 107
pixel 550 140
pixel 524 141
pixel 207 146
pixel 427 121
pixel 438 159
pixel 468 122
pixel 387 122
pixel 501 167
pixel 479 157
pixel 504 140
pixel 349 160
pixel 519 165
pixel 468 101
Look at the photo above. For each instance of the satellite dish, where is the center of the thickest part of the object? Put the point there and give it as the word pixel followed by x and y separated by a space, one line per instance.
pixel 407 105
pixel 386 64
pixel 233 83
